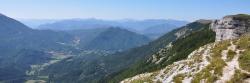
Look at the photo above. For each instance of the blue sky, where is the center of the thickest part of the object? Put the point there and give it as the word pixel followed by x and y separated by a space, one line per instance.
pixel 189 10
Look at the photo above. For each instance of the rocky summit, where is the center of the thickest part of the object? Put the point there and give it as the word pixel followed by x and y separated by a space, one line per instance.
pixel 231 27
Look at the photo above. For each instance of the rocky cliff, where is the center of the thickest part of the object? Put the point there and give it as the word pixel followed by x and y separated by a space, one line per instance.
pixel 231 27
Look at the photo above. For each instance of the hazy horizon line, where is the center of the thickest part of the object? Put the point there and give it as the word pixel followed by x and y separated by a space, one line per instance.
pixel 91 18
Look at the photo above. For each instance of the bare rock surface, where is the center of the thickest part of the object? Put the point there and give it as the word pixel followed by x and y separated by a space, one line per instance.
pixel 231 27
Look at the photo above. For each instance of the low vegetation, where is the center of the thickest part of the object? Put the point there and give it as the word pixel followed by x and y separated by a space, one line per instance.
pixel 238 77
pixel 230 55
pixel 178 78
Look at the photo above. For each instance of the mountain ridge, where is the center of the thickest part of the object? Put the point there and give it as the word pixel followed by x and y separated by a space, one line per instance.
pixel 199 35
pixel 220 62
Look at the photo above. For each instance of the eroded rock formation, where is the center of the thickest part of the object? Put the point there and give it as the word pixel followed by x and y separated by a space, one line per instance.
pixel 231 27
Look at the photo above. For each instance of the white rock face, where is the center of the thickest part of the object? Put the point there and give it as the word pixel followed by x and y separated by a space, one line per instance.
pixel 229 27
pixel 181 32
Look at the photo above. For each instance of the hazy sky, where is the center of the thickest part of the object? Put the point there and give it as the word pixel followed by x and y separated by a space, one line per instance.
pixel 123 9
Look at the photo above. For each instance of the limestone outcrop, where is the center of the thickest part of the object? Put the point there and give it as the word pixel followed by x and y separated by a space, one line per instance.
pixel 231 27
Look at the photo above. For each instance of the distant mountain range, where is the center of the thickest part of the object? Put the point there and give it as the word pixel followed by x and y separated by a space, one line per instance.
pixel 35 23
pixel 158 30
pixel 139 25
pixel 22 47
pixel 152 28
